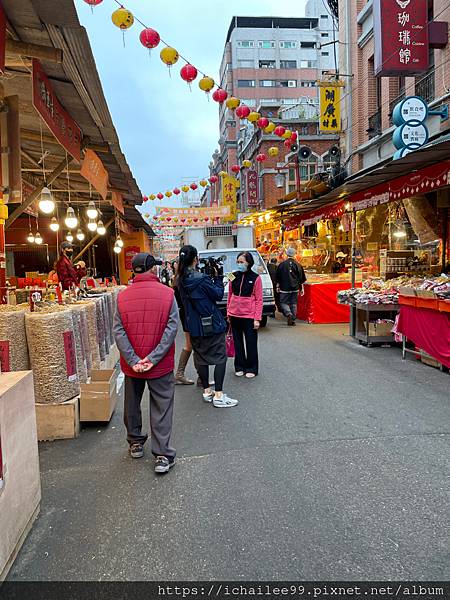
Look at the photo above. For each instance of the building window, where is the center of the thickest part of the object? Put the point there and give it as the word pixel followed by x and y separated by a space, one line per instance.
pixel 246 64
pixel 291 83
pixel 308 64
pixel 325 54
pixel 267 83
pixel 324 16
pixel 288 64
pixel 245 44
pixel 266 44
pixel 307 44
pixel 246 83
pixel 308 84
pixel 288 45
pixel 324 35
pixel 267 64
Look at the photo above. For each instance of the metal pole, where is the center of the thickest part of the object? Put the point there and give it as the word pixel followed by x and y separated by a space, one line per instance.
pixel 352 307
pixel 444 239
pixel 297 176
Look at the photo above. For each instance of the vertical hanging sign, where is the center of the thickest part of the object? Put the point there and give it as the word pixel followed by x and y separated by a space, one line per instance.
pixel 252 188
pixel 401 37
pixel 330 106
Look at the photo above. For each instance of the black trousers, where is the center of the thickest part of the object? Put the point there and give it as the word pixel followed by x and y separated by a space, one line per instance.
pixel 246 355
pixel 162 392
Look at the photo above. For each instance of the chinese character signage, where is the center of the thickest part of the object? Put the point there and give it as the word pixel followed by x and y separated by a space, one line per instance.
pixel 229 199
pixel 330 106
pixel 60 123
pixel 213 212
pixel 252 188
pixel 401 37
pixel 93 170
pixel 129 253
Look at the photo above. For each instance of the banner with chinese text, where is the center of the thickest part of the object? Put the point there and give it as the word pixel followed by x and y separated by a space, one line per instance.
pixel 252 188
pixel 213 212
pixel 93 171
pixel 330 106
pixel 229 197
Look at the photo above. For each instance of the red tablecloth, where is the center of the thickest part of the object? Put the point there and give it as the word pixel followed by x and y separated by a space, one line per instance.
pixel 319 304
pixel 428 329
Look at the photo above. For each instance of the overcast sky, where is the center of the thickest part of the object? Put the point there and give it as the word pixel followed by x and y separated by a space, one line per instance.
pixel 167 133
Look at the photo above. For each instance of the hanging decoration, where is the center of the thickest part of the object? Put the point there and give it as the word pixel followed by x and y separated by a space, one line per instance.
pixel 242 111
pixel 203 182
pixel 236 169
pixel 288 143
pixel 152 197
pixel 149 38
pixel 188 73
pixel 294 136
pixel 270 127
pixel 273 151
pixel 263 122
pixel 93 2
pixel 185 189
pixel 287 134
pixel 159 196
pixel 233 103
pixel 247 164
pixel 169 56
pixel 206 84
pixel 261 158
pixel 253 117
pixel 279 130
pixel 220 96
pixel 193 186
pixel 213 179
pixel 177 192
pixel 168 194
pixel 123 19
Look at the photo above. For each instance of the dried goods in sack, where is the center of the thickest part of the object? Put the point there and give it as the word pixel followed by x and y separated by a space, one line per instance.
pixel 83 310
pixel 106 323
pixel 51 344
pixel 13 339
pixel 100 327
pixel 79 346
pixel 92 332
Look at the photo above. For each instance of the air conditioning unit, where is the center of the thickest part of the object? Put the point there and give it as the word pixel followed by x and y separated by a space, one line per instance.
pixel 292 83
pixel 219 231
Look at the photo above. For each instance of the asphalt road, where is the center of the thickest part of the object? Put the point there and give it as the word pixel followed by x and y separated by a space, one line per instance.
pixel 335 465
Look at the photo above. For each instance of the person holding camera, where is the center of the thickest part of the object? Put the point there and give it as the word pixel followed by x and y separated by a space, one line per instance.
pixel 199 293
pixel 245 306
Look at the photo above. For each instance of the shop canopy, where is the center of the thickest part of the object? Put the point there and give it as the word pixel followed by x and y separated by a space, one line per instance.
pixel 51 32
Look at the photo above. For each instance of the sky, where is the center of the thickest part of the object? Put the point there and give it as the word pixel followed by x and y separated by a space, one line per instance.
pixel 167 132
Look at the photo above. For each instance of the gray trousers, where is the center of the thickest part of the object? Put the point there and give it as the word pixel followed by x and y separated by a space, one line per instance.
pixel 288 301
pixel 162 393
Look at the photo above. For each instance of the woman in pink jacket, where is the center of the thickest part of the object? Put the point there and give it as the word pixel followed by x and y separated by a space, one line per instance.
pixel 245 305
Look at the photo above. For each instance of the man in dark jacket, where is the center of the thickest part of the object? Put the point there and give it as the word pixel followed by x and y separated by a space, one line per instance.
pixel 145 327
pixel 67 274
pixel 290 280
pixel 272 268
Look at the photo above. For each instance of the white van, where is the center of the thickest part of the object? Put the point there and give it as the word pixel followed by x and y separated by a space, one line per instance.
pixel 230 265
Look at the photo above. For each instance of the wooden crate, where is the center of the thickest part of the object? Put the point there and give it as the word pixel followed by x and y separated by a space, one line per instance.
pixel 99 398
pixel 58 421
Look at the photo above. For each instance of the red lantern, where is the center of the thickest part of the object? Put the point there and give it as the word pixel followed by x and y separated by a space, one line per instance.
pixel 279 130
pixel 183 220
pixel 159 196
pixel 176 191
pixel 168 219
pixel 293 137
pixel 188 73
pixel 206 219
pixel 263 122
pixel 195 219
pixel 213 179
pixel 242 111
pixel 220 96
pixel 193 186
pixel 261 158
pixel 93 2
pixel 236 168
pixel 149 38
pixel 144 198
pixel 288 143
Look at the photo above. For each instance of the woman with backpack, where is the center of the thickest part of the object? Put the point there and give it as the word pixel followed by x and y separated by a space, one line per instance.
pixel 204 322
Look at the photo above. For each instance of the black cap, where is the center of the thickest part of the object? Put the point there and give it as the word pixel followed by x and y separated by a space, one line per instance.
pixel 143 262
pixel 66 246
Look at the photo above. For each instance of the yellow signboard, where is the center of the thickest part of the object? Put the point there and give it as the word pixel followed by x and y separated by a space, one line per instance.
pixel 229 198
pixel 330 106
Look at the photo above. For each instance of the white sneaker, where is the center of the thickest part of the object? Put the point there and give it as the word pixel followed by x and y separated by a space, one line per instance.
pixel 224 402
pixel 239 373
pixel 208 397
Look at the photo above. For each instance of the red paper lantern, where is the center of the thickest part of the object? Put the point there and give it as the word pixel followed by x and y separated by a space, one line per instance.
pixel 176 191
pixel 288 143
pixel 183 220
pixel 188 73
pixel 195 219
pixel 263 122
pixel 168 219
pixel 220 96
pixel 206 219
pixel 149 38
pixel 261 158
pixel 193 186
pixel 213 179
pixel 144 198
pixel 159 196
pixel 279 130
pixel 242 111
pixel 93 2
pixel 294 136
pixel 236 168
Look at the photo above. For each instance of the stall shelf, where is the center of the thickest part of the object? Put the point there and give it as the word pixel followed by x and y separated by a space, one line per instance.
pixel 367 316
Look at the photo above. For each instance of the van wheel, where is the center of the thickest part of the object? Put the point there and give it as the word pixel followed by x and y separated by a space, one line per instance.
pixel 263 322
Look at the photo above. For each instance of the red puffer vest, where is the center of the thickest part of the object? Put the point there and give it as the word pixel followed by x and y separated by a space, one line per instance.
pixel 144 309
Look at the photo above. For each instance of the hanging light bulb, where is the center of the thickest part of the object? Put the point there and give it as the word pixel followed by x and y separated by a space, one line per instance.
pixel 30 237
pixel 91 211
pixel 117 249
pixel 92 225
pixel 80 235
pixel 38 239
pixel 101 229
pixel 71 220
pixel 119 242
pixel 54 225
pixel 69 237
pixel 46 202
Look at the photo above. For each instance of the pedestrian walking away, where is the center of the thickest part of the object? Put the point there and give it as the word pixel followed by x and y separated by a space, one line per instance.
pixel 272 268
pixel 180 376
pixel 206 325
pixel 244 310
pixel 145 328
pixel 290 279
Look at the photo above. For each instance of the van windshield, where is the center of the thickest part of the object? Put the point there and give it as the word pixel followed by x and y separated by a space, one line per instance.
pixel 230 264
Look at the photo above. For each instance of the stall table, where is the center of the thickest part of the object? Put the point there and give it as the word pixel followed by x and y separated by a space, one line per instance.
pixel 426 322
pixel 319 303
pixel 367 315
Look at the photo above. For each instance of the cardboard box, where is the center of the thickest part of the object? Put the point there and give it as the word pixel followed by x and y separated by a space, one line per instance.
pixel 99 398
pixel 58 421
pixel 381 329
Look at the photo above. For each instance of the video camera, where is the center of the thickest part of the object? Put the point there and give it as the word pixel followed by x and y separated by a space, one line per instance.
pixel 211 266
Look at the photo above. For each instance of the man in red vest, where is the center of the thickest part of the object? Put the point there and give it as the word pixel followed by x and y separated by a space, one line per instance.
pixel 145 327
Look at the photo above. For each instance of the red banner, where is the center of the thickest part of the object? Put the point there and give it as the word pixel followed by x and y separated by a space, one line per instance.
pixel 71 359
pixel 129 253
pixel 252 188
pixel 4 356
pixel 421 181
pixel 60 123
pixel 2 38
pixel 401 37
pixel 117 202
pixel 93 171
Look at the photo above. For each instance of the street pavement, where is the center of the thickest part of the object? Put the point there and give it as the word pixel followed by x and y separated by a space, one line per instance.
pixel 335 465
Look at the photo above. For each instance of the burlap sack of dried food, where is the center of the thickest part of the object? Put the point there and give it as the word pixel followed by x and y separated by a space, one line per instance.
pixel 13 339
pixel 92 332
pixel 79 346
pixel 51 344
pixel 100 327
pixel 110 304
pixel 86 345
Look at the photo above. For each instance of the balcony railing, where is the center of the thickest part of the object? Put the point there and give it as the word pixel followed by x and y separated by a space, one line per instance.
pixel 425 87
pixel 374 128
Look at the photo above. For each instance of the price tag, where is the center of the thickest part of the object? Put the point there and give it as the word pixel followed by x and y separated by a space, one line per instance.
pixel 4 356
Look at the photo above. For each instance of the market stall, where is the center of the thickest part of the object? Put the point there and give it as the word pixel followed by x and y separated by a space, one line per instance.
pixel 319 303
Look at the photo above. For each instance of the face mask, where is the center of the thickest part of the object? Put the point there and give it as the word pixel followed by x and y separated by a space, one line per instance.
pixel 69 253
pixel 241 267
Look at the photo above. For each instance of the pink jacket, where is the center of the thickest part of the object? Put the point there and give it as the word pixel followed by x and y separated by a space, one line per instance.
pixel 246 307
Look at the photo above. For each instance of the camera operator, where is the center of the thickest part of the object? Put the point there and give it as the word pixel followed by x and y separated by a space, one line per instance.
pixel 199 293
